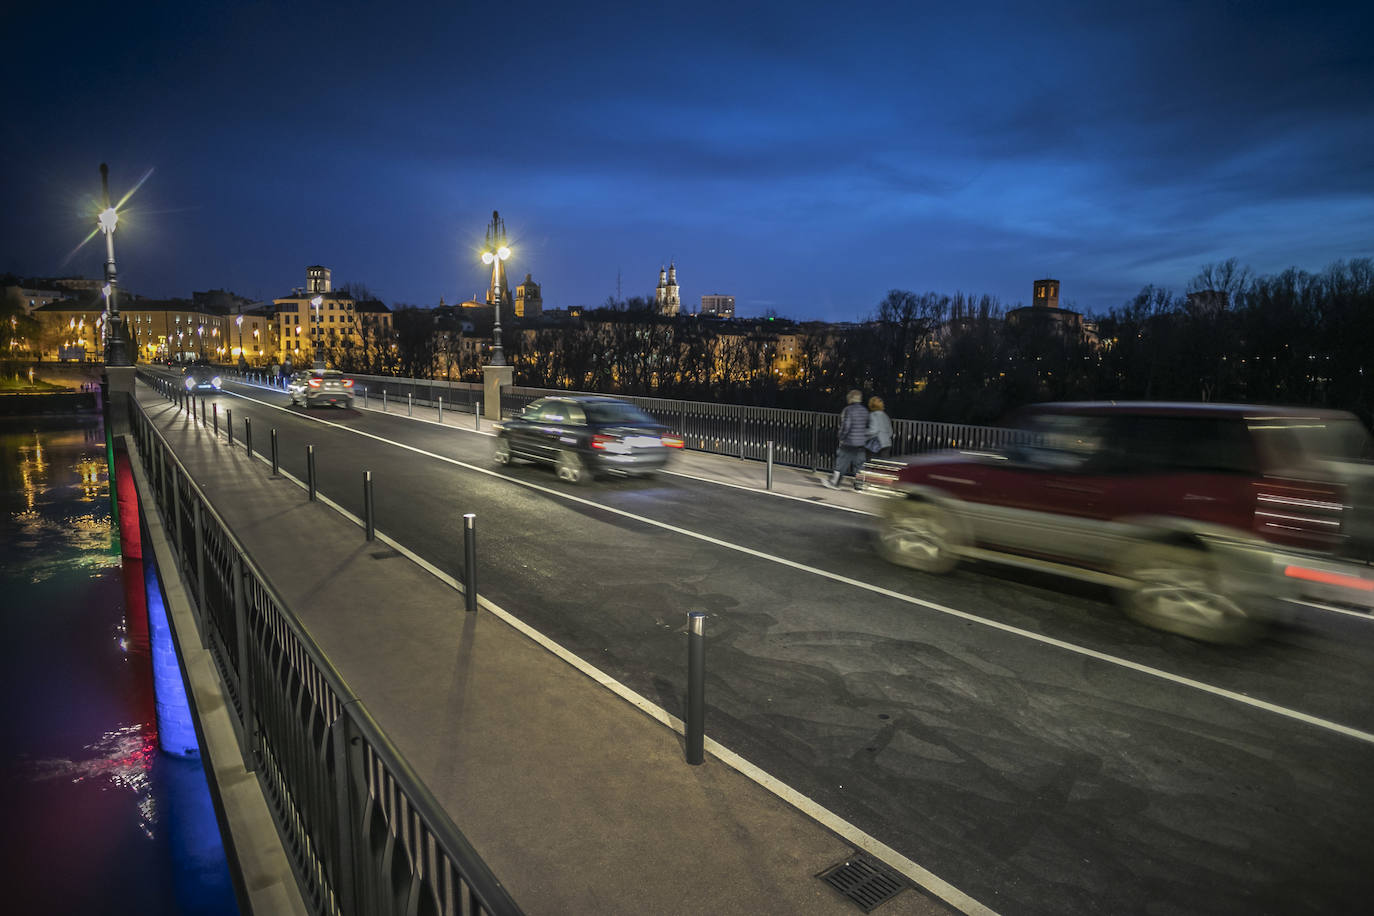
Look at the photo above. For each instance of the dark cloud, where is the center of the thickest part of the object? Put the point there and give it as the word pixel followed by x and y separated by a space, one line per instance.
pixel 808 156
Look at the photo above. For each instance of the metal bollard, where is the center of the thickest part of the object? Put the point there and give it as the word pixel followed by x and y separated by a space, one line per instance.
pixel 310 470
pixel 477 415
pixel 470 561
pixel 367 507
pixel 229 424
pixel 274 451
pixel 248 435
pixel 193 410
pixel 696 688
pixel 216 413
pixel 441 411
pixel 769 484
pixel 383 399
pixel 364 395
pixel 410 402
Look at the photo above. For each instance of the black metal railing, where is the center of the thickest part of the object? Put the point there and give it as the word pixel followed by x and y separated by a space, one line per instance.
pixel 363 833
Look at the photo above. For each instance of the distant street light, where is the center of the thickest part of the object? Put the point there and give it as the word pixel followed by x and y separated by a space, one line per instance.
pixel 316 332
pixel 493 253
pixel 239 321
pixel 116 349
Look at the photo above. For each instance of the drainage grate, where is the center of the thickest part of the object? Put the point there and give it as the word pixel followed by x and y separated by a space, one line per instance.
pixel 866 882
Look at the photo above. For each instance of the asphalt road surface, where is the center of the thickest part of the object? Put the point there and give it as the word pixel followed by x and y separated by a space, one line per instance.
pixel 1012 733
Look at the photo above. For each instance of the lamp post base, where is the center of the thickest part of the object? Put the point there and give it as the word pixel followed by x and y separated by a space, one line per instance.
pixel 493 377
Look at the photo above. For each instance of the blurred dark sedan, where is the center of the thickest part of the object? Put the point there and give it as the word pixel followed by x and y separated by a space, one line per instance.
pixel 200 378
pixel 583 436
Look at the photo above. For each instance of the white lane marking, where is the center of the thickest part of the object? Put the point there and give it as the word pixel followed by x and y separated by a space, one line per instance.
pixel 1366 616
pixel 1221 692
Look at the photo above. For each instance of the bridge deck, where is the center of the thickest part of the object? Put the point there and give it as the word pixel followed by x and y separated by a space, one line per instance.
pixel 577 800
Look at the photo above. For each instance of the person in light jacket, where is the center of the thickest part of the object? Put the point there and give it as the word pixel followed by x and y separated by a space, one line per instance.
pixel 879 429
pixel 849 459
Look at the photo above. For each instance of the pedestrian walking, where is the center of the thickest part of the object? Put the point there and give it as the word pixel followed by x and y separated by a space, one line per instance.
pixel 849 458
pixel 879 429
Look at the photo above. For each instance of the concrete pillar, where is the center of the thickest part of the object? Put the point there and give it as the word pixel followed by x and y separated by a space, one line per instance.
pixel 493 378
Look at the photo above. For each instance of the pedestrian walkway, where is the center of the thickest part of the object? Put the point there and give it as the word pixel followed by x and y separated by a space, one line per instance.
pixel 579 801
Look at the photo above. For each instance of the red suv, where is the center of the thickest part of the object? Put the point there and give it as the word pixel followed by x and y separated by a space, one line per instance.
pixel 1202 516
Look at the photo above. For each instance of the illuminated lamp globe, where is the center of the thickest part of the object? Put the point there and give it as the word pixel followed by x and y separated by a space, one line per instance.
pixel 108 218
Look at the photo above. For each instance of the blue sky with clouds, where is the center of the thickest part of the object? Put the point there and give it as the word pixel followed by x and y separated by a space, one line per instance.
pixel 805 157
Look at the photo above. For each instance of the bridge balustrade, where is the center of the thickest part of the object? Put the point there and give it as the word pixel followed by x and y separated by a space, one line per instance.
pixel 363 833
pixel 801 438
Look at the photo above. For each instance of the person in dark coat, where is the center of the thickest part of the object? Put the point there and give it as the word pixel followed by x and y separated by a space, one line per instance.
pixel 849 459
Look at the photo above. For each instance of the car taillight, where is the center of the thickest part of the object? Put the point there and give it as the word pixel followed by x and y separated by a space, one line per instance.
pixel 314 383
pixel 601 440
pixel 348 383
pixel 672 442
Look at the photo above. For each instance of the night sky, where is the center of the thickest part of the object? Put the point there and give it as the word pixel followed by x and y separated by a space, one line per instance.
pixel 802 157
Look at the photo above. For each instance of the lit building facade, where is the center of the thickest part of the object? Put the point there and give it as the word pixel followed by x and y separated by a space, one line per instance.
pixel 718 306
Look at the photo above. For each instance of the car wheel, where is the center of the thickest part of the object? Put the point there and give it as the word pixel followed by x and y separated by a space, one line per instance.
pixel 501 454
pixel 919 535
pixel 1176 589
pixel 570 467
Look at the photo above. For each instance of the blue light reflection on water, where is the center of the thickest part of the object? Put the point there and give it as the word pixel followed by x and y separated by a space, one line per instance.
pixel 98 820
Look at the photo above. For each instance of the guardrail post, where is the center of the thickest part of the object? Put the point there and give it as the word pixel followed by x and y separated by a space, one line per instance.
pixel 346 887
pixel 696 687
pixel 248 435
pixel 310 470
pixel 176 518
pixel 367 507
pixel 769 484
pixel 815 440
pixel 199 541
pixel 441 409
pixel 248 731
pixel 274 451
pixel 470 561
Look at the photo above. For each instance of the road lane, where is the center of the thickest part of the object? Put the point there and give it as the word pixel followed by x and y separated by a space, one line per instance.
pixel 1037 780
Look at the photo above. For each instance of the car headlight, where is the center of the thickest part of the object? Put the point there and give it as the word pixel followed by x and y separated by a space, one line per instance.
pixel 215 381
pixel 190 384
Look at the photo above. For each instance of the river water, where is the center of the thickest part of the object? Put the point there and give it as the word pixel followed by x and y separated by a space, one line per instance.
pixel 97 819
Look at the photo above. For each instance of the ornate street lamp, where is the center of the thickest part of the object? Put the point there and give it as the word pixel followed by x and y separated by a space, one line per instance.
pixel 494 252
pixel 116 348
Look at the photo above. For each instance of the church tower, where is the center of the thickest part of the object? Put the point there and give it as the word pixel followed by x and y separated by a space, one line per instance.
pixel 529 302
pixel 667 297
pixel 1046 294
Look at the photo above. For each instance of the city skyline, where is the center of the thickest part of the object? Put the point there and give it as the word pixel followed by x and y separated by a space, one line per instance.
pixel 796 161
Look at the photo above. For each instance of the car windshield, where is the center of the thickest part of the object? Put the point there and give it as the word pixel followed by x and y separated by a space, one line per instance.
pixel 617 412
pixel 1298 441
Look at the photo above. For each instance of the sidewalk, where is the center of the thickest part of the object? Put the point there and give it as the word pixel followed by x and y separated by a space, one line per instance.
pixel 579 801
